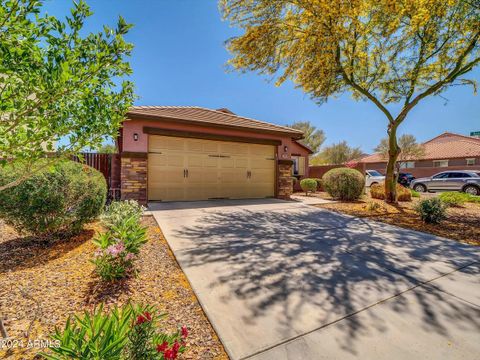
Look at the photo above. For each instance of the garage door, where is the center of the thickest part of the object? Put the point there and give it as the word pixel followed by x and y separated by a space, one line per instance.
pixel 196 169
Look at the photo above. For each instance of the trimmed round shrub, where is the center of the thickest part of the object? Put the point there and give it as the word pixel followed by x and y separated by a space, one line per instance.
pixel 308 185
pixel 431 211
pixel 54 201
pixel 377 191
pixel 344 183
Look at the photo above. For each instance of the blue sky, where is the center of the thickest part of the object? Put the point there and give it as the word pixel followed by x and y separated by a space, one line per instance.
pixel 179 59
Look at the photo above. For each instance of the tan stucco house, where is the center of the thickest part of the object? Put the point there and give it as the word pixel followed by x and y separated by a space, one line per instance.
pixel 182 153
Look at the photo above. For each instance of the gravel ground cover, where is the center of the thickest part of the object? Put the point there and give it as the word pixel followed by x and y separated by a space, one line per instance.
pixel 43 283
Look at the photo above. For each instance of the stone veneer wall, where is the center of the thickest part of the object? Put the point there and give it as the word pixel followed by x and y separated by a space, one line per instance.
pixel 133 177
pixel 285 181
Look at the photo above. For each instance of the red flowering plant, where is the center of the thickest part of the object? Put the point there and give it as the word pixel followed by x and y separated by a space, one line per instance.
pixel 146 342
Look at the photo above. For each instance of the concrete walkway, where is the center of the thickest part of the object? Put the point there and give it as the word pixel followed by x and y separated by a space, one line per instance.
pixel 284 280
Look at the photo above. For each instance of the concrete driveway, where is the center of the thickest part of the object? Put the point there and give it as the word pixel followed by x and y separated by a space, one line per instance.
pixel 283 280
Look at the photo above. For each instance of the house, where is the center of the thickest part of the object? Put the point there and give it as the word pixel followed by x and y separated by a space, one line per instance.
pixel 175 153
pixel 447 151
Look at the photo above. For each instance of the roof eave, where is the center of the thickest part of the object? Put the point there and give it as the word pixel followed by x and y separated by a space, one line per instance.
pixel 135 116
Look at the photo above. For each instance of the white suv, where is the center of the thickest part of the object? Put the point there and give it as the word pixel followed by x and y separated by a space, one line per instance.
pixel 373 177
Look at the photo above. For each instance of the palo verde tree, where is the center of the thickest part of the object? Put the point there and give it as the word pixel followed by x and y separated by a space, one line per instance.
pixel 409 150
pixel 382 51
pixel 313 137
pixel 58 84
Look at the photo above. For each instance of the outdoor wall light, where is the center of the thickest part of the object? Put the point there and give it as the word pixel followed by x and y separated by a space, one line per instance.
pixel 285 148
pixel 135 137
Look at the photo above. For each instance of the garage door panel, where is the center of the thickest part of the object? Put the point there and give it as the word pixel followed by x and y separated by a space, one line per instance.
pixel 215 169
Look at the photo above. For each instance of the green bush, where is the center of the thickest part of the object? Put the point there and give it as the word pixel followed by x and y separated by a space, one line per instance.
pixel 119 246
pixel 59 199
pixel 431 211
pixel 415 194
pixel 119 211
pixel 377 191
pixel 308 185
pixel 453 198
pixel 129 332
pixel 344 183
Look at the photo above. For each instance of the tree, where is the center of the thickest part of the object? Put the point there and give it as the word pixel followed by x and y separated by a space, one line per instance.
pixel 382 51
pixel 337 154
pixel 410 150
pixel 107 148
pixel 60 90
pixel 314 137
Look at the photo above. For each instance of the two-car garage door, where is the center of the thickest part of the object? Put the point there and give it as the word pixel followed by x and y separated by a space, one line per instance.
pixel 196 169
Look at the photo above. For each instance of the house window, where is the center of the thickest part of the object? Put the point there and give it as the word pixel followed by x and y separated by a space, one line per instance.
pixel 440 163
pixel 407 165
pixel 470 162
pixel 298 167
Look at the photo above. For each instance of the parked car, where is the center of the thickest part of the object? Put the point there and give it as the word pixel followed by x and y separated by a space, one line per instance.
pixel 373 177
pixel 461 180
pixel 405 179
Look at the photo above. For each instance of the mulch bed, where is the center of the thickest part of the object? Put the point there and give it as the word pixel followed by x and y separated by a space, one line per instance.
pixel 462 223
pixel 43 283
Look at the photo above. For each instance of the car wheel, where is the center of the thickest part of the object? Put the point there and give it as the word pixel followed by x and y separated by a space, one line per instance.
pixel 420 188
pixel 472 190
pixel 373 183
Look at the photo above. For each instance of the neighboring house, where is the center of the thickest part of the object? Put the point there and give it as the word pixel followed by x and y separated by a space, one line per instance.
pixel 447 151
pixel 172 153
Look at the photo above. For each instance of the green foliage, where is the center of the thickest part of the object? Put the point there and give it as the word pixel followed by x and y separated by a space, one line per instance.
pixel 336 154
pixel 119 211
pixel 313 137
pixel 409 149
pixel 130 332
pixel 107 149
pixel 119 246
pixel 344 183
pixel 58 81
pixel 308 185
pixel 59 199
pixel 377 191
pixel 145 342
pixel 415 194
pixel 381 51
pixel 96 335
pixel 431 211
pixel 453 198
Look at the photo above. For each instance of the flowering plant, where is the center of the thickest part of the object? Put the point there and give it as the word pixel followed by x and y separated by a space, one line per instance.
pixel 119 248
pixel 145 342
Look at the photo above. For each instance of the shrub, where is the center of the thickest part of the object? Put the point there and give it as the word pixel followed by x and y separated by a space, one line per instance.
pixel 118 249
pixel 453 198
pixel 59 199
pixel 374 206
pixel 145 343
pixel 377 191
pixel 129 332
pixel 344 183
pixel 118 211
pixel 308 185
pixel 431 211
pixel 319 183
pixel 95 335
pixel 415 194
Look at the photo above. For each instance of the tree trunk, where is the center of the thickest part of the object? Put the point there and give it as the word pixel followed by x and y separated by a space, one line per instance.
pixel 393 152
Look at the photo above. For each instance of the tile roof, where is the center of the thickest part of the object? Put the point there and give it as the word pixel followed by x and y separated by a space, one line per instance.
pixel 445 146
pixel 204 116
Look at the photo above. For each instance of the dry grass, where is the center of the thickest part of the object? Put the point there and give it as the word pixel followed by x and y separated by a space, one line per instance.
pixel 43 283
pixel 462 223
